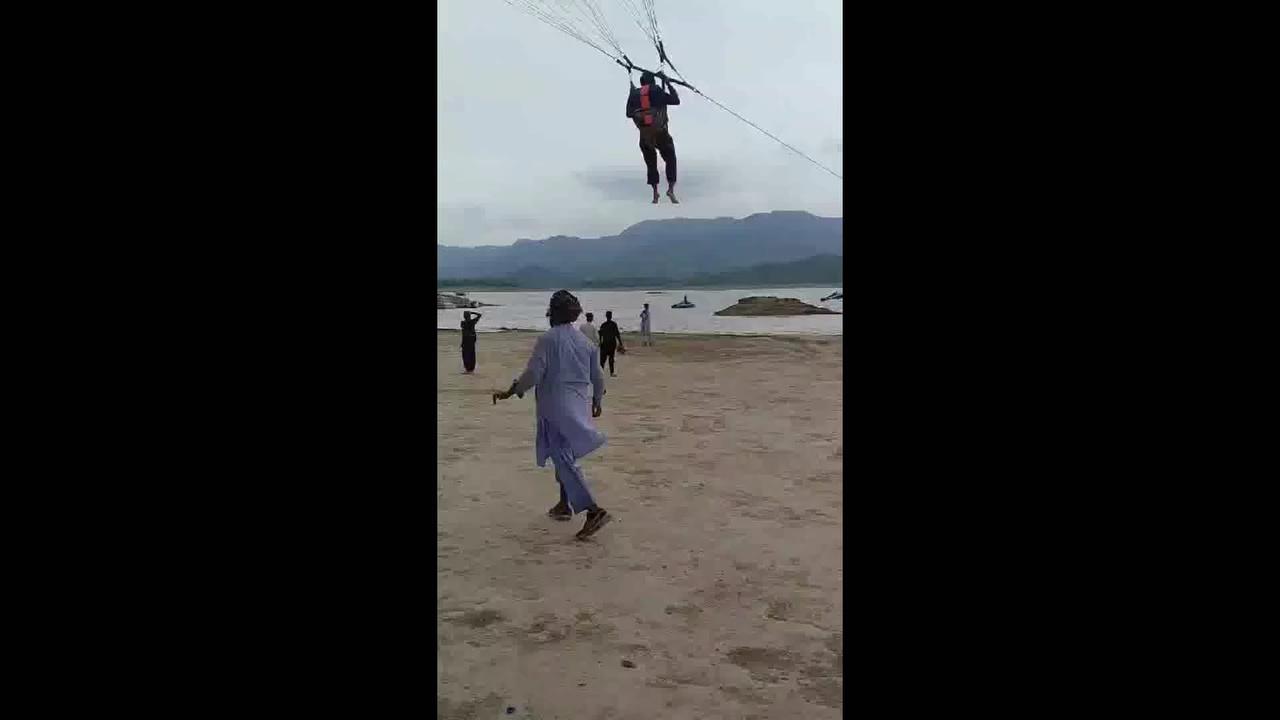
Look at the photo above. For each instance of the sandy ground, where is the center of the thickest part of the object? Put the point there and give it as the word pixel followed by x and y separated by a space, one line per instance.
pixel 720 576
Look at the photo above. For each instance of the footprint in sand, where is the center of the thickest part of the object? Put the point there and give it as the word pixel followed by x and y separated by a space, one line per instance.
pixel 475 618
pixel 828 692
pixel 687 610
pixel 764 664
pixel 779 610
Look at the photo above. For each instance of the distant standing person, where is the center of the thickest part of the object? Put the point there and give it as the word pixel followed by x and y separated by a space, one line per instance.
pixel 646 336
pixel 590 330
pixel 610 341
pixel 563 369
pixel 469 320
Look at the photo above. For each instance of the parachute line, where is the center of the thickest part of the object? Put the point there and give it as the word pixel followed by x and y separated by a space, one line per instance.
pixel 766 132
pixel 584 21
pixel 646 19
pixel 581 20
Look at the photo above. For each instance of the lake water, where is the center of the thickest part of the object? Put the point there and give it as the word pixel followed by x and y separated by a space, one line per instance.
pixel 527 311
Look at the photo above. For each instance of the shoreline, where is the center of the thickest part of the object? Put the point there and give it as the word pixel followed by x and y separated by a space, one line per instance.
pixel 637 288
pixel 692 336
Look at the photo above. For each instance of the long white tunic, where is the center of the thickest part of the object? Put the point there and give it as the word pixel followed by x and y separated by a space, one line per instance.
pixel 565 370
pixel 590 331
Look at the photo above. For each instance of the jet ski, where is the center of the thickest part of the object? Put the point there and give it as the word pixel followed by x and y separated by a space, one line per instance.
pixel 683 304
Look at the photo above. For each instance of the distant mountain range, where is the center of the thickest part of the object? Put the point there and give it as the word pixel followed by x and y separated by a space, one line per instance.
pixel 823 269
pixel 767 246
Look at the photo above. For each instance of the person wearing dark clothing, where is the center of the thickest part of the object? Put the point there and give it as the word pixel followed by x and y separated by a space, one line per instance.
pixel 647 107
pixel 610 341
pixel 469 320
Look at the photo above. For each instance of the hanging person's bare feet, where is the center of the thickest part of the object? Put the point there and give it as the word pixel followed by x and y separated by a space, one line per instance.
pixel 671 193
pixel 655 195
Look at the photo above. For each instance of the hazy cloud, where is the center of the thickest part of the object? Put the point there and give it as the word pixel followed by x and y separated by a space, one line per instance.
pixel 627 184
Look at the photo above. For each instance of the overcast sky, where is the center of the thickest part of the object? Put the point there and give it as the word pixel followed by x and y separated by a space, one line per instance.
pixel 533 140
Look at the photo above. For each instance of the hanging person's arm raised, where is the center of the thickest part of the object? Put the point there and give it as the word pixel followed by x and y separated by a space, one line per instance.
pixel 670 96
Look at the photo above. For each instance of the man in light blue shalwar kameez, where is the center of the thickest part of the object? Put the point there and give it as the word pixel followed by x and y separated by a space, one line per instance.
pixel 565 370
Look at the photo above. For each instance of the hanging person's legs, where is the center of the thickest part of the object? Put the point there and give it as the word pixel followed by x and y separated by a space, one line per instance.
pixel 667 146
pixel 651 166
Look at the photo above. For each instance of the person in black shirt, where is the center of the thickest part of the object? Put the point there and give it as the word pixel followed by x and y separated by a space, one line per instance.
pixel 469 320
pixel 647 108
pixel 610 340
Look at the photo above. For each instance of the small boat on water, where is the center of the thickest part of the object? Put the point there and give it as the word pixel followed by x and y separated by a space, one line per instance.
pixel 833 296
pixel 683 304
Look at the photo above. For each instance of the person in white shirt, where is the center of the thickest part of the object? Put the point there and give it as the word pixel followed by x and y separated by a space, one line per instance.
pixel 590 330
pixel 646 336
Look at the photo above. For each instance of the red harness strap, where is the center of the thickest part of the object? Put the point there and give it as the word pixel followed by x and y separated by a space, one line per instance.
pixel 644 104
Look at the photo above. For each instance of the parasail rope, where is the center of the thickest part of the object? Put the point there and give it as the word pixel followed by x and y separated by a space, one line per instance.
pixel 588 11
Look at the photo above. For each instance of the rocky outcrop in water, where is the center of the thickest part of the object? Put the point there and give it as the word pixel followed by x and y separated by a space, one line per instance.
pixel 773 307
pixel 453 301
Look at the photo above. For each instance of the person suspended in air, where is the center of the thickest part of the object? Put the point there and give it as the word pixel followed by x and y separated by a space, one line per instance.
pixel 647 108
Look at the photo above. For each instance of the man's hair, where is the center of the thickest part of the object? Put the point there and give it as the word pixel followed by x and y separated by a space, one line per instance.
pixel 608 314
pixel 646 304
pixel 589 316
pixel 646 78
pixel 564 308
